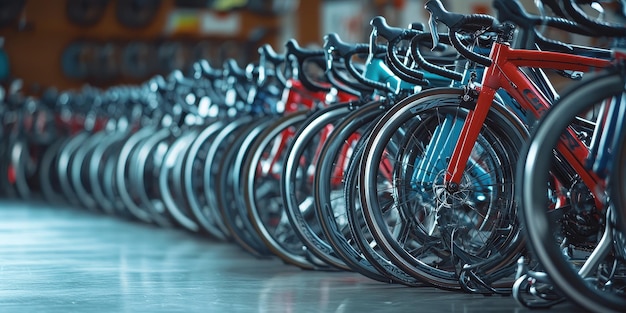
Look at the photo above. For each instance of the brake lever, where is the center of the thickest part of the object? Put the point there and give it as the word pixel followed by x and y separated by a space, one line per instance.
pixel 372 47
pixel 598 7
pixel 434 33
pixel 328 56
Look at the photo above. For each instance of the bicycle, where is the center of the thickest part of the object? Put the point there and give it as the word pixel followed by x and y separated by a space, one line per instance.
pixel 466 215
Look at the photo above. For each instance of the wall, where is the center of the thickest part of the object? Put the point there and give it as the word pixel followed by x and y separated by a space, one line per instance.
pixel 35 43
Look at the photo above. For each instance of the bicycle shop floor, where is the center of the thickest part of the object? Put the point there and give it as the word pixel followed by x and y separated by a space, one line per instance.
pixel 56 259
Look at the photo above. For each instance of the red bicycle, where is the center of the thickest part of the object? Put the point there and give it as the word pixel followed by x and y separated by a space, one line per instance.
pixel 450 205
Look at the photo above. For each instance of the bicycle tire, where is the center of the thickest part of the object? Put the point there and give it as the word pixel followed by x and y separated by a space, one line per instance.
pixel 337 215
pixel 227 190
pixel 215 155
pixel 21 162
pixel 261 195
pixel 144 179
pixel 123 169
pixel 170 183
pixel 64 161
pixel 79 171
pixel 297 190
pixel 434 242
pixel 533 198
pixel 618 182
pixel 101 167
pixel 194 183
pixel 48 175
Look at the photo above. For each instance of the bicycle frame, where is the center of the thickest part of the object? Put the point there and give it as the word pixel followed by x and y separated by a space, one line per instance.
pixel 505 73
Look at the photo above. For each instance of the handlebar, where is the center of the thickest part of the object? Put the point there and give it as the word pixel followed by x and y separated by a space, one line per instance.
pixel 271 55
pixel 602 28
pixel 302 55
pixel 427 66
pixel 336 77
pixel 395 35
pixel 468 23
pixel 238 78
pixel 383 29
pixel 333 43
pixel 177 79
pixel 204 69
pixel 267 54
pixel 513 11
pixel 555 7
pixel 233 69
pixel 457 21
pixel 336 72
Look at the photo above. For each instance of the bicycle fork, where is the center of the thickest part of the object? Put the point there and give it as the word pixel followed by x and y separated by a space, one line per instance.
pixel 467 137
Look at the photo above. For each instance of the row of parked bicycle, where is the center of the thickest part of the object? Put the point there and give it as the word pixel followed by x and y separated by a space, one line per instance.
pixel 418 158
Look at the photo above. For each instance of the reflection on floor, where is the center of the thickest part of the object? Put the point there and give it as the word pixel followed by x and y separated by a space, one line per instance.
pixel 64 260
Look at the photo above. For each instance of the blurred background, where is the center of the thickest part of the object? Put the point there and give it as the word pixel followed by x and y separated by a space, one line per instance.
pixel 69 43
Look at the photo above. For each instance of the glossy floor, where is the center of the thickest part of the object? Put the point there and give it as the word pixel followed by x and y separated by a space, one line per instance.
pixel 56 259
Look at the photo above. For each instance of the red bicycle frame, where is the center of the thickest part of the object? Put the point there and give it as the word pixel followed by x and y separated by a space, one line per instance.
pixel 505 73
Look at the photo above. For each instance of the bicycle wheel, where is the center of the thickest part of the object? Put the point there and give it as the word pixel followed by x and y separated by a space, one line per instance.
pixel 228 190
pixel 193 181
pixel 261 196
pixel 48 175
pixel 66 157
pixel 566 226
pixel 335 189
pixel 427 229
pixel 7 177
pixel 296 181
pixel 215 155
pixel 123 170
pixel 102 170
pixel 79 171
pixel 618 189
pixel 8 171
pixel 170 180
pixel 144 179
pixel 24 164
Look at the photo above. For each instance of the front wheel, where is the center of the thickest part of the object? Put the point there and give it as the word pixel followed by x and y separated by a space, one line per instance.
pixel 429 230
